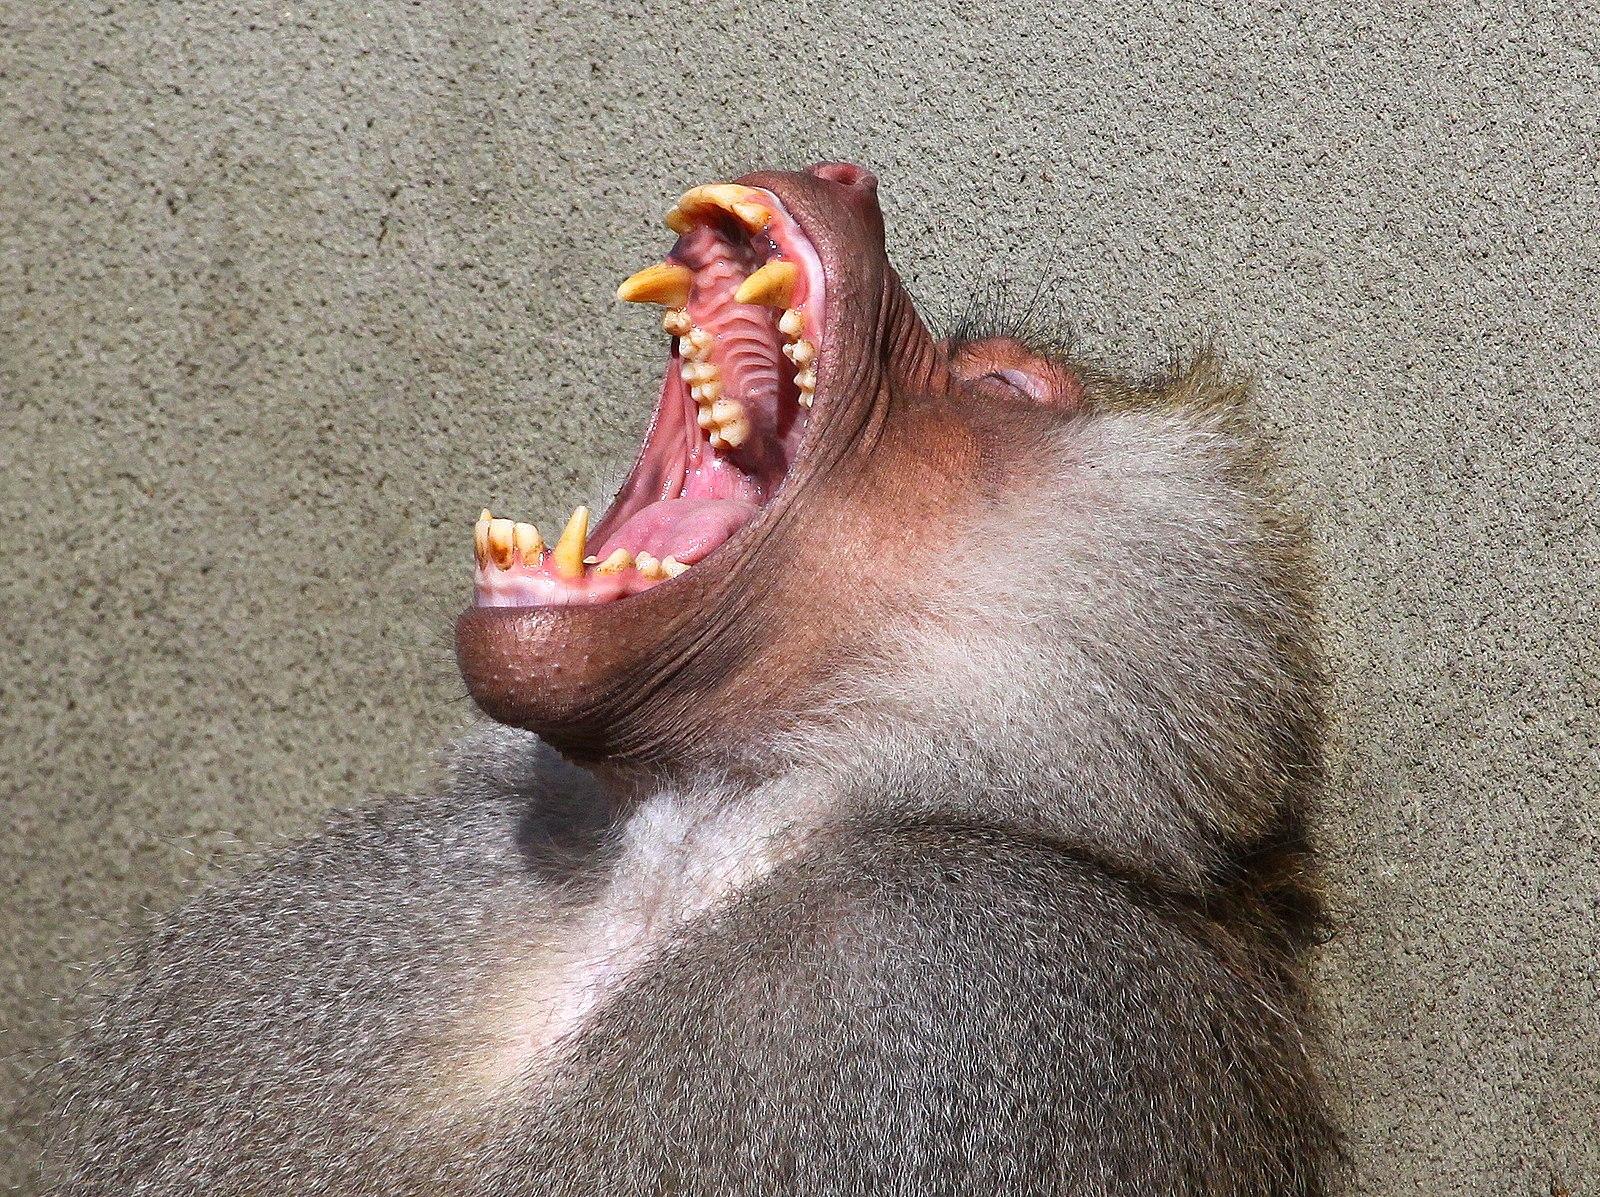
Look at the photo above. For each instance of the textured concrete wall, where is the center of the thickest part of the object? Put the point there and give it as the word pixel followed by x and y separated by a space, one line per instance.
pixel 288 291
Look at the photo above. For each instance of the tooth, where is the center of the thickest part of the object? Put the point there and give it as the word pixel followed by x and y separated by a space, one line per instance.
pixel 772 286
pixel 730 197
pixel 705 419
pixel 688 349
pixel 699 372
pixel 528 541
pixel 701 339
pixel 568 553
pixel 500 542
pixel 791 323
pixel 806 380
pixel 676 321
pixel 665 283
pixel 648 566
pixel 618 561
pixel 735 433
pixel 802 352
pixel 717 440
pixel 806 398
pixel 480 538
pixel 724 410
pixel 673 567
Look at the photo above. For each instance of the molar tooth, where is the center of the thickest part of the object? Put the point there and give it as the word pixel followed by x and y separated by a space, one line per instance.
pixel 707 392
pixel 568 553
pixel 717 441
pixel 648 566
pixel 528 541
pixel 673 567
pixel 735 432
pixel 618 561
pixel 724 410
pixel 676 321
pixel 701 339
pixel 802 352
pixel 772 286
pixel 665 283
pixel 791 323
pixel 806 380
pixel 699 372
pixel 688 350
pixel 501 533
pixel 480 538
pixel 805 398
pixel 705 419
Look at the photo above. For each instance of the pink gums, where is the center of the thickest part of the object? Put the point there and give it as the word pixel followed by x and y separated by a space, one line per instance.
pixel 685 499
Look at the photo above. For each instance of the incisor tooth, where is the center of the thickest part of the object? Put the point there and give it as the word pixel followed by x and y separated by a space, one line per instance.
pixel 618 561
pixel 568 553
pixel 772 285
pixel 665 283
pixel 730 197
pixel 480 538
pixel 673 567
pixel 501 533
pixel 528 541
pixel 791 323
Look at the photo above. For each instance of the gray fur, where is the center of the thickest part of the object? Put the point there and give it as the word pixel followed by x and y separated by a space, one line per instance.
pixel 1018 908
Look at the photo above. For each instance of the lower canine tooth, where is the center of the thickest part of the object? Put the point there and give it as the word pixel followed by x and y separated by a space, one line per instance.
pixel 568 554
pixel 501 543
pixel 618 561
pixel 528 541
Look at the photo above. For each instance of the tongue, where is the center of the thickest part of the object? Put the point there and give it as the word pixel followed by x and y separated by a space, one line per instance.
pixel 687 529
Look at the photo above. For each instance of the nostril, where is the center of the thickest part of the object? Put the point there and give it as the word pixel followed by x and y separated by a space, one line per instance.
pixel 847 174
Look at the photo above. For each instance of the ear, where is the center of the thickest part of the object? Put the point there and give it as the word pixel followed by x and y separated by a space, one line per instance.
pixel 1005 366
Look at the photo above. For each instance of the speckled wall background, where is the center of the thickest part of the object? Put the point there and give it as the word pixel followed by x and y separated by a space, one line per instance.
pixel 288 292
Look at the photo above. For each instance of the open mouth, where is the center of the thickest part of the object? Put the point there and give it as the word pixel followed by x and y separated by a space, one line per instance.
pixel 743 295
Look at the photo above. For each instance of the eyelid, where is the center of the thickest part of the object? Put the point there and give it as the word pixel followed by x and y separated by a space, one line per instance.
pixel 1020 380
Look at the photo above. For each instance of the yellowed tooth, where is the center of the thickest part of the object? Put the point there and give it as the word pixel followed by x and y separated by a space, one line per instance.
pixel 697 372
pixel 772 286
pixel 567 556
pixel 735 432
pixel 480 538
pixel 528 541
pixel 701 340
pixel 717 441
pixel 791 323
pixel 618 561
pixel 665 283
pixel 806 380
pixel 802 352
pixel 806 399
pixel 673 567
pixel 676 321
pixel 648 566
pixel 742 202
pixel 705 419
pixel 501 533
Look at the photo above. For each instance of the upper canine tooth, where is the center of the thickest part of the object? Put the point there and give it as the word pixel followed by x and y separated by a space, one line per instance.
pixel 772 285
pixel 618 561
pixel 791 323
pixel 568 553
pixel 501 533
pixel 665 283
pixel 528 541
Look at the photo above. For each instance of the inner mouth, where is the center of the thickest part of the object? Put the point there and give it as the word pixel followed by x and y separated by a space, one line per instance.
pixel 743 293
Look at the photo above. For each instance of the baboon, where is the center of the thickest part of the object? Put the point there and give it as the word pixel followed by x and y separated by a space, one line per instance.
pixel 901 789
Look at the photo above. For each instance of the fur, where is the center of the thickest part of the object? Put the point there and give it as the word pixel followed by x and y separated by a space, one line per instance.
pixel 1019 906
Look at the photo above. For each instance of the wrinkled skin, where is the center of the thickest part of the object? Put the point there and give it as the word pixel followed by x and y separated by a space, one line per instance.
pixel 942 832
pixel 903 443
